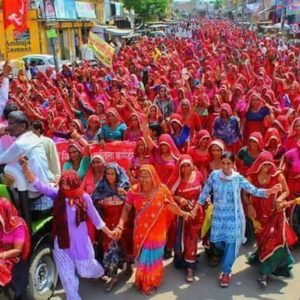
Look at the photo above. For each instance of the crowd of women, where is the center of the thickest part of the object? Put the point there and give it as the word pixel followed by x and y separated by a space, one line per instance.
pixel 215 118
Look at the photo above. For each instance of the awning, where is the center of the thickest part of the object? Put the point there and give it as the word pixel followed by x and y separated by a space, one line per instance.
pixel 119 32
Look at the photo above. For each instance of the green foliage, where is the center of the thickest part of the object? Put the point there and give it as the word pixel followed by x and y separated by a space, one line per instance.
pixel 148 9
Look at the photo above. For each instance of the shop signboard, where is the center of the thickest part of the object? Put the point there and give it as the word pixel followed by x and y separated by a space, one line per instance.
pixel 85 10
pixel 65 9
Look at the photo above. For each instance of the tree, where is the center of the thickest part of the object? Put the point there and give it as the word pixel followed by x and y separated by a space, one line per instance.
pixel 148 9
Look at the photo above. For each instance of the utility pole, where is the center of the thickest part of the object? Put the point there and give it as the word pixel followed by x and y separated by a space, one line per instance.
pixel 243 14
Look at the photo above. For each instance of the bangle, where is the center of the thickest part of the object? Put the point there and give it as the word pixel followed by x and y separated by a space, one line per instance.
pixel 121 227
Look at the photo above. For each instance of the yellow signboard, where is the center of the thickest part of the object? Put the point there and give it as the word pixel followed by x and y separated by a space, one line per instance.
pixel 102 50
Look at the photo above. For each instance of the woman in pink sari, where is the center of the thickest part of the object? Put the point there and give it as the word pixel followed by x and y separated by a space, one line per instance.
pixel 134 130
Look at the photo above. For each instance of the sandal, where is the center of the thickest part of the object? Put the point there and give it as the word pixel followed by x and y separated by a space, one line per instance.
pixel 190 276
pixel 262 280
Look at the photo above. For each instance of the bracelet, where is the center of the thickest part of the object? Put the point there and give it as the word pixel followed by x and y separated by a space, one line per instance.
pixel 121 227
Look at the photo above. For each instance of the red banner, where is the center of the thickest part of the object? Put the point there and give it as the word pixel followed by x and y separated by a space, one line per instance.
pixel 15 13
pixel 120 152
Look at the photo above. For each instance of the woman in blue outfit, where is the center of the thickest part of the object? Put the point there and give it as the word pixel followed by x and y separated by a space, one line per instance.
pixel 228 219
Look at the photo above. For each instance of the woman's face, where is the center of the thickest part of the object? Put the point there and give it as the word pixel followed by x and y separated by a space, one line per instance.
pixel 162 92
pixel 73 126
pixel 99 109
pixel 140 146
pixel 59 105
pixel 254 102
pixel 97 165
pixel 74 154
pixel 111 118
pixel 252 145
pixel 224 114
pixel 180 94
pixel 145 180
pixel 297 127
pixel 273 143
pixel 184 107
pixel 204 142
pixel 152 112
pixel 176 127
pixel 93 124
pixel 111 176
pixel 216 101
pixel 186 170
pixel 216 151
pixel 227 166
pixel 164 149
pixel 134 121
pixel 265 168
pixel 64 185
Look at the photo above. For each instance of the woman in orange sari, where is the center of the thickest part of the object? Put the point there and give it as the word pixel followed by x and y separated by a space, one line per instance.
pixel 152 202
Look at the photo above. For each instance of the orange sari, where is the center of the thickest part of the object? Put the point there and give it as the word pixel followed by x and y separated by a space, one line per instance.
pixel 150 229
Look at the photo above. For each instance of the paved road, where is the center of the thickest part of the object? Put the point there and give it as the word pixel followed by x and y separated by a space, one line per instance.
pixel 243 285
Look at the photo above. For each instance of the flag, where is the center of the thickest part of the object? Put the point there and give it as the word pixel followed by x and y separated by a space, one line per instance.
pixel 15 13
pixel 102 50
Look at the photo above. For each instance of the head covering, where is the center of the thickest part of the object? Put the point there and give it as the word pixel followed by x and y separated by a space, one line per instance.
pixel 264 157
pixel 272 133
pixel 218 143
pixel 175 177
pixel 258 138
pixel 151 170
pixel 143 140
pixel 93 119
pixel 58 122
pixel 199 136
pixel 166 139
pixel 10 220
pixel 283 123
pixel 104 190
pixel 75 197
pixel 292 128
pixel 79 125
pixel 77 146
pixel 113 111
pixel 227 107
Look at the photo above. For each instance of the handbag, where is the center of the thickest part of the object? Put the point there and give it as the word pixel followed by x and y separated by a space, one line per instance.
pixel 207 220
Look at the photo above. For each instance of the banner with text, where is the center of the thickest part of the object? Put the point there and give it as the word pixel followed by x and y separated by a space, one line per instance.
pixel 102 50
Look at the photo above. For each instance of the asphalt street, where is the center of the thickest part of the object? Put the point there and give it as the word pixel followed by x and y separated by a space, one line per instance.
pixel 205 287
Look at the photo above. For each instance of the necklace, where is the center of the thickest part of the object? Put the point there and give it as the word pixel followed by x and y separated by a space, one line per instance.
pixel 263 180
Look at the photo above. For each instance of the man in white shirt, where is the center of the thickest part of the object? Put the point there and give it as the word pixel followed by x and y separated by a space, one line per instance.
pixel 31 146
pixel 86 52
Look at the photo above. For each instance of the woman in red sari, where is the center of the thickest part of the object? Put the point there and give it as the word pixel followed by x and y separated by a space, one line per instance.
pixel 272 230
pixel 152 202
pixel 185 184
pixel 14 246
pixel 199 151
pixel 294 135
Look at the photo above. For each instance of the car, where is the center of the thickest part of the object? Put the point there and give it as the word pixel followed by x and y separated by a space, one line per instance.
pixel 43 61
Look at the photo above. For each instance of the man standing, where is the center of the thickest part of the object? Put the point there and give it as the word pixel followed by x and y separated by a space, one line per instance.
pixel 30 147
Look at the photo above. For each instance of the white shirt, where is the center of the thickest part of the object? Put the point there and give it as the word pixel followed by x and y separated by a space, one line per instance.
pixel 32 146
pixel 4 89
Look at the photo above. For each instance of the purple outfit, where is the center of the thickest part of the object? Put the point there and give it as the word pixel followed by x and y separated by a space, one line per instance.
pixel 80 257
pixel 228 131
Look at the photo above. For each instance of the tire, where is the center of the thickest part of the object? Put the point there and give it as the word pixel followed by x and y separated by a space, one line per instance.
pixel 42 274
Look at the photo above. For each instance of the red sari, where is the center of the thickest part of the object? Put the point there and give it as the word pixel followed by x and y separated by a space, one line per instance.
pixel 14 230
pixel 187 231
